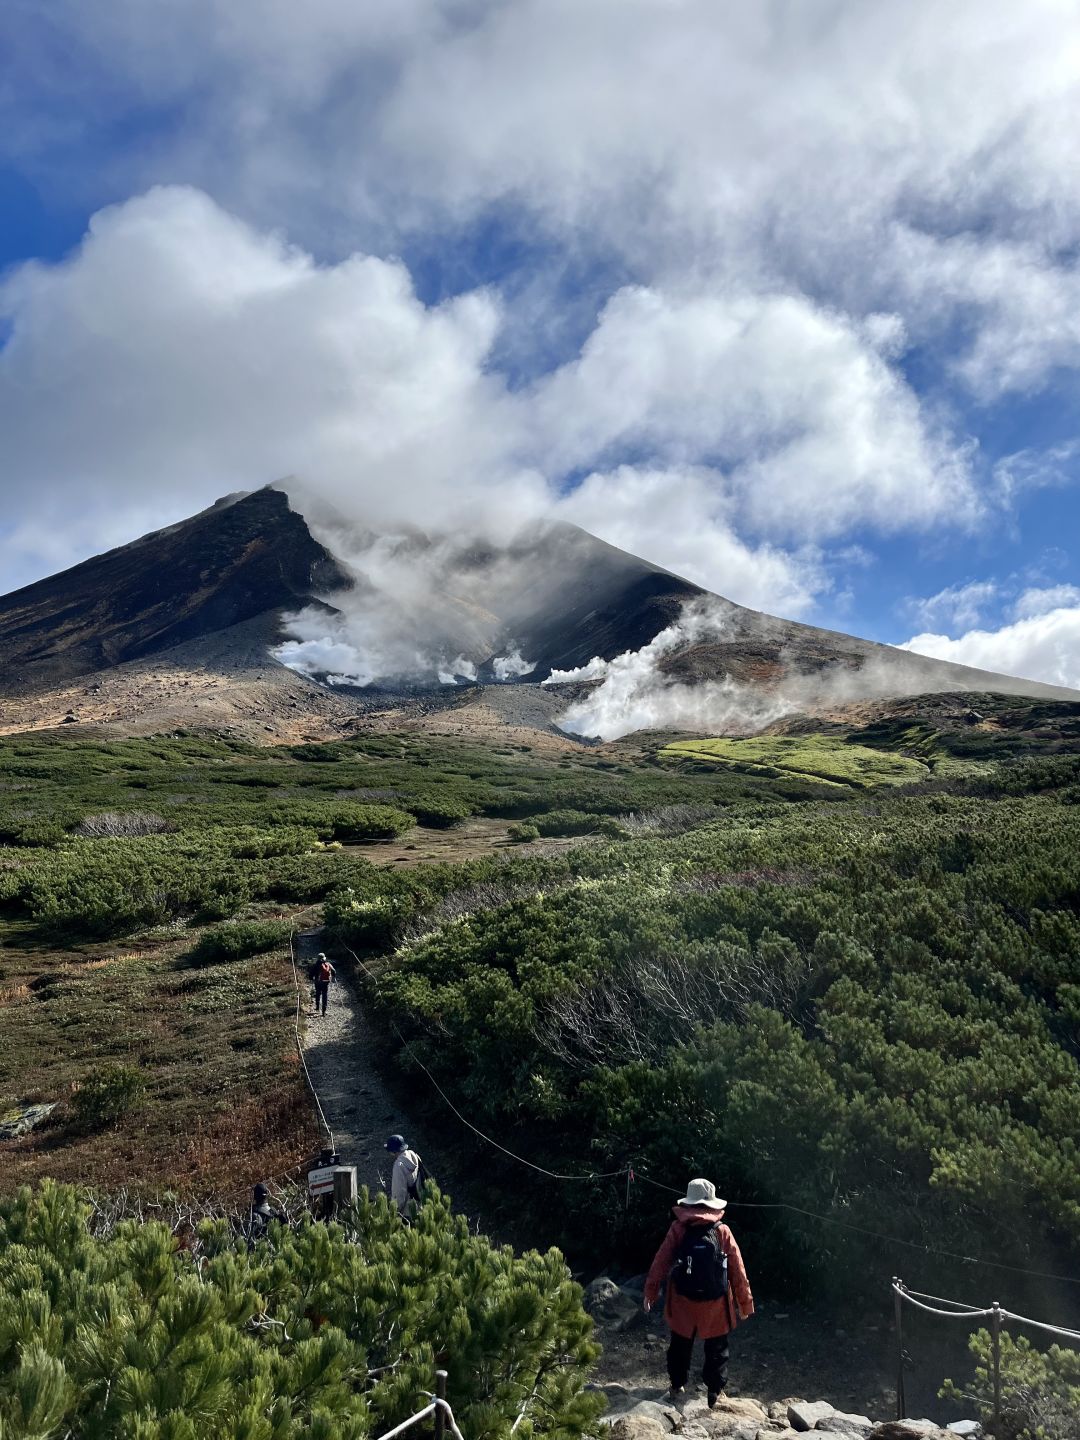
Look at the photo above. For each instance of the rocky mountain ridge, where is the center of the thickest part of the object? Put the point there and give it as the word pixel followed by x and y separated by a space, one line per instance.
pixel 180 628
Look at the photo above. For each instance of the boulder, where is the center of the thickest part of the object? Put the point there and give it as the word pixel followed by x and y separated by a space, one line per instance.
pixel 638 1408
pixel 908 1430
pixel 600 1291
pixel 805 1414
pixel 855 1426
pixel 610 1307
pixel 21 1119
pixel 638 1427
pixel 778 1408
pixel 742 1407
pixel 968 1429
pixel 717 1426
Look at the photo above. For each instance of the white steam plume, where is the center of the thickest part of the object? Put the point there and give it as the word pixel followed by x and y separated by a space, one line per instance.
pixel 421 609
pixel 636 692
pixel 511 666
pixel 637 695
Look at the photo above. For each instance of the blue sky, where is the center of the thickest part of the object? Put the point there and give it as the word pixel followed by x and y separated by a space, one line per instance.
pixel 783 297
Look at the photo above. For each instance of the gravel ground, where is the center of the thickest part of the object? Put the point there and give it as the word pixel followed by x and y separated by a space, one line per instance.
pixel 361 1106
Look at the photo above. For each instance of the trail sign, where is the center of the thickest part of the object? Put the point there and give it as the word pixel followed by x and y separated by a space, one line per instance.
pixel 321 1180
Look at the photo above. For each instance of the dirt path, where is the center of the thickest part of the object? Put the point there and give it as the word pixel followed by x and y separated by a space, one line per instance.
pixel 779 1353
pixel 361 1107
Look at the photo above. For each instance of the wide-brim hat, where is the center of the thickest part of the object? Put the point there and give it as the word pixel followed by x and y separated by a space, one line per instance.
pixel 702 1192
pixel 395 1144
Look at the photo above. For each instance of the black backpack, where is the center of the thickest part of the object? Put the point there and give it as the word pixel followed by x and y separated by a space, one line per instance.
pixel 416 1189
pixel 700 1271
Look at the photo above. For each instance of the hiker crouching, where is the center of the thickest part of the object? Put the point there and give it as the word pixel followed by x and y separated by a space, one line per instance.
pixel 707 1289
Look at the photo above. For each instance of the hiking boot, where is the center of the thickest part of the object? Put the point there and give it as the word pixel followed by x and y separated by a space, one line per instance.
pixel 714 1395
pixel 677 1392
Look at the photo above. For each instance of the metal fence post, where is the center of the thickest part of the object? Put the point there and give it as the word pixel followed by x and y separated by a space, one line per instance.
pixel 995 1337
pixel 440 1413
pixel 901 1406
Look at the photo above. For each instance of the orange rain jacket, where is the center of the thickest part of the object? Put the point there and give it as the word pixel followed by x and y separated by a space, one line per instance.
pixel 704 1318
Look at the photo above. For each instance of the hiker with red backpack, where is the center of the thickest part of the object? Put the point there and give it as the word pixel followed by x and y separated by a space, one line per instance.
pixel 707 1289
pixel 322 972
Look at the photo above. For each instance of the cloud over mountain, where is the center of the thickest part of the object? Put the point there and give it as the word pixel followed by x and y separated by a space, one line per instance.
pixel 190 354
pixel 735 287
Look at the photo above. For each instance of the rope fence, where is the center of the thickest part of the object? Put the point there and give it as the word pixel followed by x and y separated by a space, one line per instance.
pixel 299 1044
pixel 631 1174
pixel 439 1407
pixel 958 1310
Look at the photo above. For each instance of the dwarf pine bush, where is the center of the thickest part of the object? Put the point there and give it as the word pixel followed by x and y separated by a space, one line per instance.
pixel 107 1094
pixel 239 939
pixel 316 1332
pixel 1040 1389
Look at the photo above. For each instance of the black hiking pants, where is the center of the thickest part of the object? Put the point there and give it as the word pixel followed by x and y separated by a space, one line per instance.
pixel 322 990
pixel 714 1372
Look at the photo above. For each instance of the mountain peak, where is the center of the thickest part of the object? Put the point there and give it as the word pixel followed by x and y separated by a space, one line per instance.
pixel 245 555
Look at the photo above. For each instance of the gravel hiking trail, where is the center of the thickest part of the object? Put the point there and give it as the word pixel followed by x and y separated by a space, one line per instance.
pixel 342 1053
pixel 776 1354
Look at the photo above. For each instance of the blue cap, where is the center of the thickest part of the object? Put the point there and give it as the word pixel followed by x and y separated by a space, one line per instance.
pixel 396 1143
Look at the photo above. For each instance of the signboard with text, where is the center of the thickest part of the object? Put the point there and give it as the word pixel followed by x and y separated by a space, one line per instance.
pixel 321 1181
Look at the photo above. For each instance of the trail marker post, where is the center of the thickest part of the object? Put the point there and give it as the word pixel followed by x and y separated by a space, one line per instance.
pixel 321 1184
pixel 344 1186
pixel 440 1413
pixel 995 1337
pixel 901 1407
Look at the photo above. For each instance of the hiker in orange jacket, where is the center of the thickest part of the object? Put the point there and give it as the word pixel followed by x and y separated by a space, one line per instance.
pixel 322 972
pixel 707 1289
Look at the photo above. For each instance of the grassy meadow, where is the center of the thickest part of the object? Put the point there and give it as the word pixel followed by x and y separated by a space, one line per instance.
pixel 838 970
pixel 147 890
pixel 829 759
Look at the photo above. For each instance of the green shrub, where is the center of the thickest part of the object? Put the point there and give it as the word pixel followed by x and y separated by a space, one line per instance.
pixel 327 1330
pixel 318 752
pixel 34 833
pixel 1040 1390
pixel 440 811
pixel 354 824
pixel 106 1095
pixel 566 822
pixel 335 820
pixel 239 940
pixel 521 832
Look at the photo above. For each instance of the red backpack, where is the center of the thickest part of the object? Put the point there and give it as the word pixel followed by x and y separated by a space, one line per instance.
pixel 324 972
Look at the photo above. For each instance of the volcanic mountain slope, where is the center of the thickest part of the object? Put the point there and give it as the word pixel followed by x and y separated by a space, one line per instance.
pixel 246 556
pixel 178 628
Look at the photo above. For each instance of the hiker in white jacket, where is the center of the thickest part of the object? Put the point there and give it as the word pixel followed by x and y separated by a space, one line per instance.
pixel 405 1175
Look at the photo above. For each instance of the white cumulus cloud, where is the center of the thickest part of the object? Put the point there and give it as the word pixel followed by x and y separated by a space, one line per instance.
pixel 180 353
pixel 1042 646
pixel 958 605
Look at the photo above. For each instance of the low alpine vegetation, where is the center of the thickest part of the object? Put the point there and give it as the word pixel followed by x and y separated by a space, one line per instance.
pixel 320 1330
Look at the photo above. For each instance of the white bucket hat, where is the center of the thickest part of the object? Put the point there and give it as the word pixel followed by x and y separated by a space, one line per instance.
pixel 702 1192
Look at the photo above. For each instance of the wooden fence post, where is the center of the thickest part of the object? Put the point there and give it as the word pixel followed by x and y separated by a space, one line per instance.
pixel 440 1413
pixel 344 1186
pixel 995 1336
pixel 898 1305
